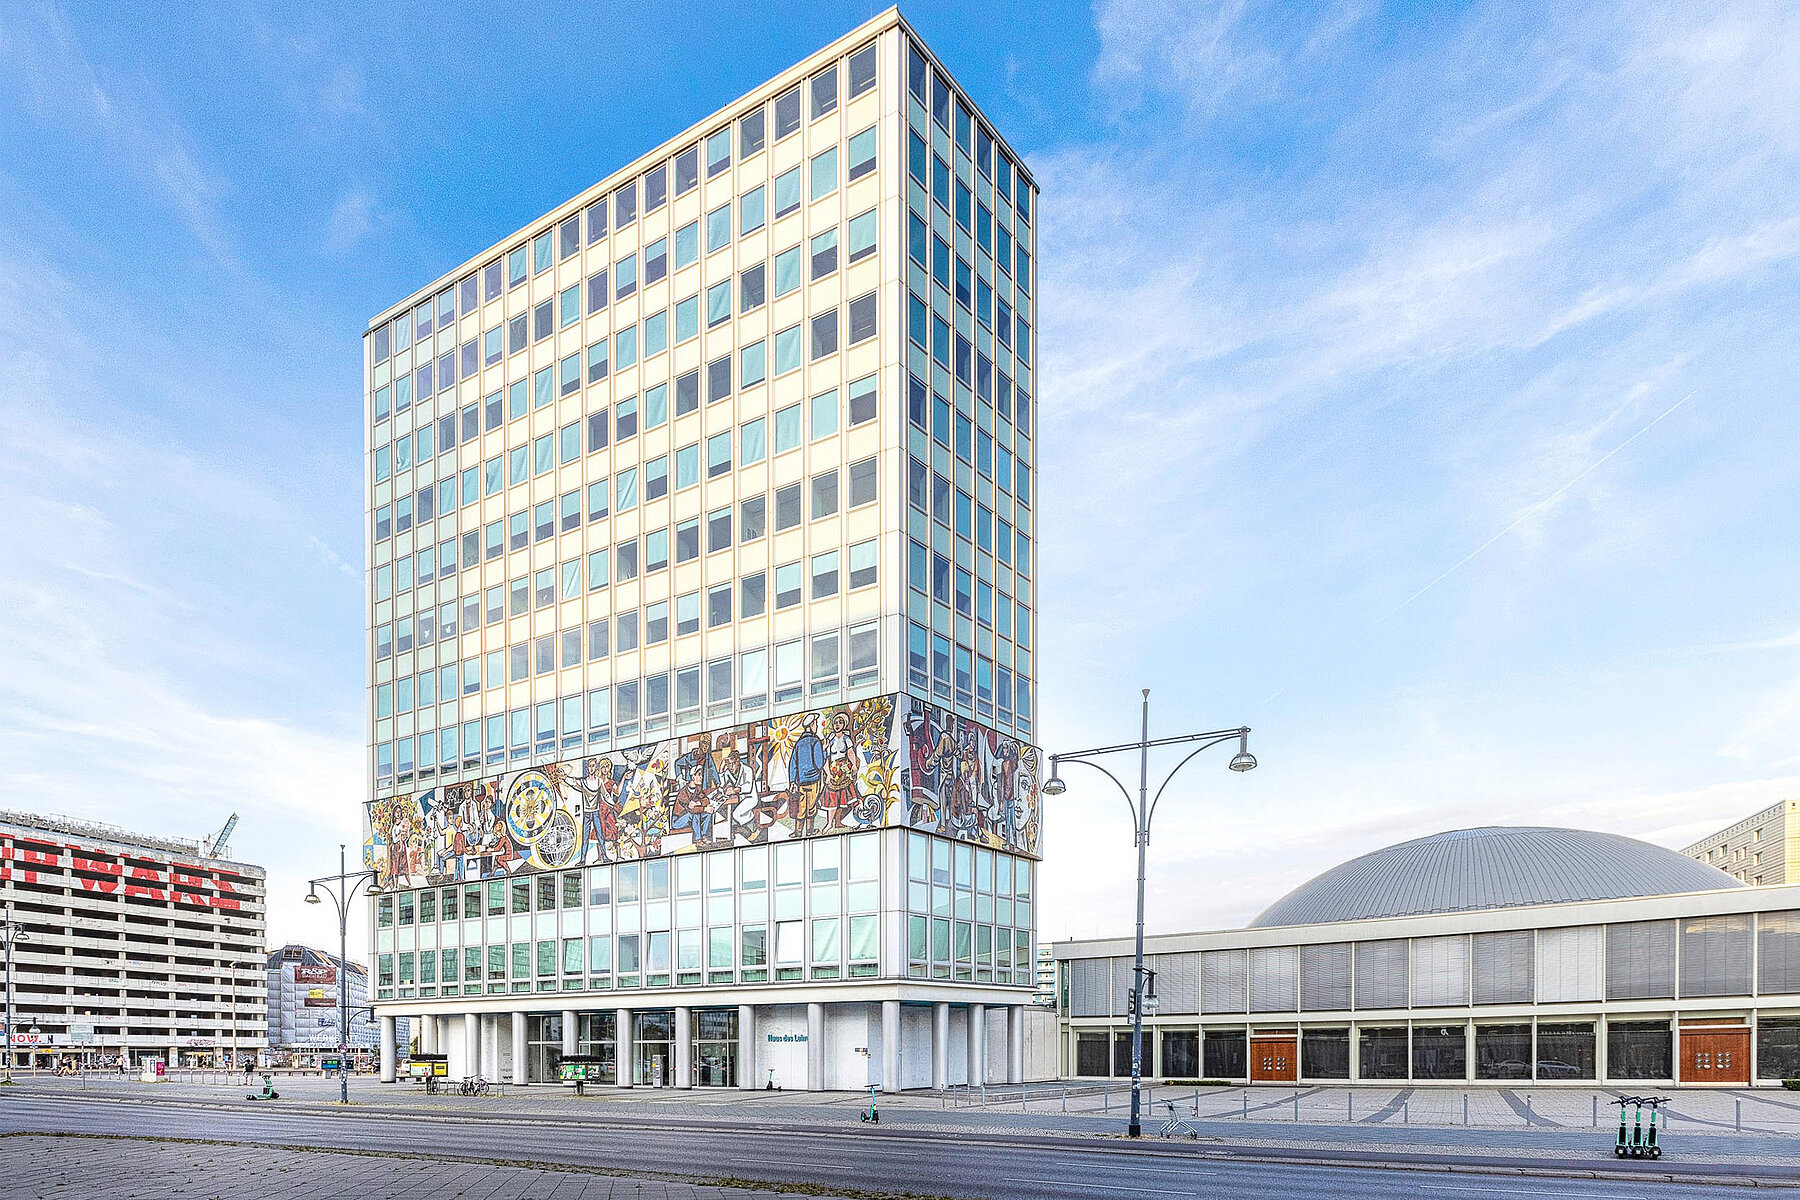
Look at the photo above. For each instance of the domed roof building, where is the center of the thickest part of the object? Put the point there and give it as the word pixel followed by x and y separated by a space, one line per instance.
pixel 1467 870
pixel 1489 954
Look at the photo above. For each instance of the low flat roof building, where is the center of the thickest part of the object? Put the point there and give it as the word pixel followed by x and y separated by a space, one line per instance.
pixel 1756 849
pixel 1477 955
pixel 135 946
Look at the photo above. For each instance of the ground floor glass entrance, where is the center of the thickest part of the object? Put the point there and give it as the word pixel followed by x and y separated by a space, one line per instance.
pixel 715 1047
pixel 653 1040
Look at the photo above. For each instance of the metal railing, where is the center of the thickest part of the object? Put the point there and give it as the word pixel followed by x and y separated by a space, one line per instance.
pixel 1487 1108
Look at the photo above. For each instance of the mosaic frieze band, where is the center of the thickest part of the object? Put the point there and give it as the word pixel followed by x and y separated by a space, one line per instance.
pixel 888 761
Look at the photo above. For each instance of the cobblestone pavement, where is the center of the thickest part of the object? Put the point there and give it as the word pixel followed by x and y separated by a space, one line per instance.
pixel 61 1168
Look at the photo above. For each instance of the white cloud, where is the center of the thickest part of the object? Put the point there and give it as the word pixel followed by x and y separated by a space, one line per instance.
pixel 122 117
pixel 352 219
pixel 1313 331
pixel 131 694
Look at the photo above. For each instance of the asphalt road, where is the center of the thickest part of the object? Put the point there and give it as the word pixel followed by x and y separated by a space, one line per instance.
pixel 879 1161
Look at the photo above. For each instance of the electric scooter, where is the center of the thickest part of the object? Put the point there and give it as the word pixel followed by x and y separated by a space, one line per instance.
pixel 1638 1140
pixel 871 1113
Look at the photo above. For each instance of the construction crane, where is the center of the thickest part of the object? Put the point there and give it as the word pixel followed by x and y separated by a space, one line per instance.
pixel 218 845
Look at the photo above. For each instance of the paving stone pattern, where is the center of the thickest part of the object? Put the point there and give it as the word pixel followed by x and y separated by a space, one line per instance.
pixel 51 1168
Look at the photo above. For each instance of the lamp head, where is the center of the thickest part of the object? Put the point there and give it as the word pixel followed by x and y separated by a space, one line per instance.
pixel 1054 786
pixel 312 897
pixel 1243 760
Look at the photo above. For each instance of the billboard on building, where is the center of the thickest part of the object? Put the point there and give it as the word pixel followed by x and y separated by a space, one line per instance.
pixel 304 974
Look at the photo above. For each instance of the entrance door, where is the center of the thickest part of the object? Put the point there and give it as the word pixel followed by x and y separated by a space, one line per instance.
pixel 1273 1059
pixel 1715 1056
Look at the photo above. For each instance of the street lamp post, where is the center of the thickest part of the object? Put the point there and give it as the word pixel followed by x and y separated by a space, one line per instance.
pixel 1142 810
pixel 347 882
pixel 10 931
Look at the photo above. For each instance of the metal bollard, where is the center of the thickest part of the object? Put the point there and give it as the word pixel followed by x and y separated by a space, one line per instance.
pixel 1065 1097
pixel 1528 1110
pixel 1737 1121
pixel 1406 1112
pixel 1105 1100
pixel 1296 1108
pixel 1596 1112
pixel 1246 1099
pixel 1350 1107
pixel 1465 1110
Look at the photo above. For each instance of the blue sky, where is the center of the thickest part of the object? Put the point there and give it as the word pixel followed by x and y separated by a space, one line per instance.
pixel 1418 388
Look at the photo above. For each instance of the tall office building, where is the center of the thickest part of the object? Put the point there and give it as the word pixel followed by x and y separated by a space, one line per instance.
pixel 306 1011
pixel 135 947
pixel 701 609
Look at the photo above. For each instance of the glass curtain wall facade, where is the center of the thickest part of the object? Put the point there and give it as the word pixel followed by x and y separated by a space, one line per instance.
pixel 701 603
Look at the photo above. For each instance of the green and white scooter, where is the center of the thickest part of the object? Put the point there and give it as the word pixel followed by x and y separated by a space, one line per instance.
pixel 1638 1140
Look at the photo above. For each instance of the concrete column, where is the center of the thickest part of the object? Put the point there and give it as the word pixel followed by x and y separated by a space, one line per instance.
pixel 1355 1055
pixel 387 1048
pixel 1015 1043
pixel 627 1050
pixel 940 1044
pixel 815 1047
pixel 1602 1069
pixel 571 1039
pixel 472 1043
pixel 684 1047
pixel 1468 1051
pixel 518 1040
pixel 890 1045
pixel 746 1049
pixel 977 1044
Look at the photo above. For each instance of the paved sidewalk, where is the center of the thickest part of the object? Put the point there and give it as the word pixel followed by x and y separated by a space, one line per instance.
pixel 61 1168
pixel 1402 1121
pixel 1072 1107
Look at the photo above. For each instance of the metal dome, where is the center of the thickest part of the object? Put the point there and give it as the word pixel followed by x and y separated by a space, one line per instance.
pixel 1491 867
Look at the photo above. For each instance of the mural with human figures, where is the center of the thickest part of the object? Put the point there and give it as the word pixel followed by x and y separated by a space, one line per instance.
pixel 889 761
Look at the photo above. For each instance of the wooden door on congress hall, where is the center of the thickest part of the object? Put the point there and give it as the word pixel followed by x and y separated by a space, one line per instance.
pixel 1715 1054
pixel 1274 1058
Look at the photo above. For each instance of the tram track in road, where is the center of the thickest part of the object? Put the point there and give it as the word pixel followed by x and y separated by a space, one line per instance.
pixel 891 1160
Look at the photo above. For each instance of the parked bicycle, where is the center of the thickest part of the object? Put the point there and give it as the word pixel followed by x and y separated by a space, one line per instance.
pixel 474 1085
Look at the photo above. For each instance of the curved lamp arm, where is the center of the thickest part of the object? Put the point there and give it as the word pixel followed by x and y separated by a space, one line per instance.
pixel 1129 802
pixel 1204 746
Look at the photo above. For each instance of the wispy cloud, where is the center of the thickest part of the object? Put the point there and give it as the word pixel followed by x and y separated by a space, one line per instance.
pixel 143 687
pixel 123 116
pixel 352 219
pixel 1319 322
